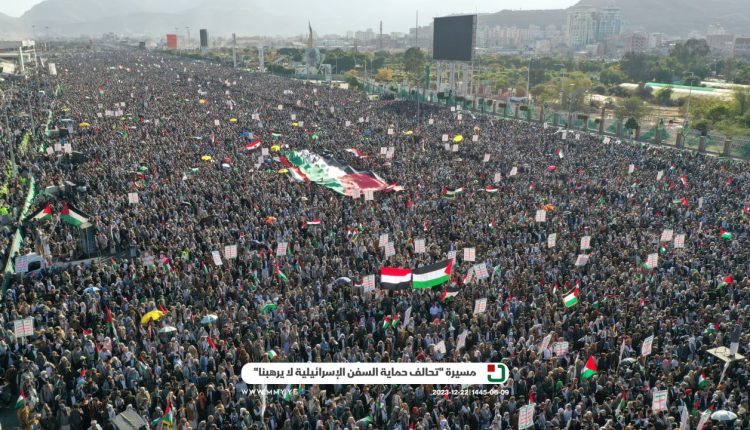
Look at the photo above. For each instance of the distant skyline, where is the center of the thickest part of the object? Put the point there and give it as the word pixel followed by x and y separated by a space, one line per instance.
pixel 16 8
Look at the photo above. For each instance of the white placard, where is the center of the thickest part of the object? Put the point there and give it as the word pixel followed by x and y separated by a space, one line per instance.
pixel 383 150
pixel 133 198
pixel 390 250
pixel 513 171
pixel 452 255
pixel 50 150
pixel 541 215
pixel 24 327
pixel 230 252
pixel 469 254
pixel 440 347
pixel 646 347
pixel 453 108
pixel 459 117
pixel 445 138
pixel 560 348
pixel 666 235
pixel 216 257
pixel 659 402
pixel 264 151
pixel 447 146
pixel 419 246
pixel 369 195
pixel 454 148
pixel 631 168
pixel 652 261
pixel 578 136
pixel 475 138
pixel 99 115
pixel 582 259
pixel 281 249
pixel 68 148
pixel 486 158
pixel 368 284
pixel 301 123
pixel 293 117
pixel 361 120
pixel 383 240
pixel 585 243
pixel 564 135
pixel 606 139
pixel 280 107
pixel 481 271
pixel 390 132
pixel 355 193
pixel 216 122
pixel 526 417
pixel 679 241
pixel 299 102
pixel 333 109
pixel 347 124
pixel 498 177
pixel 700 202
pixel 552 240
pixel 545 343
pixel 431 121
pixel 148 260
pixel 480 306
pixel 407 317
pixel 22 263
pixel 461 341
pixel 659 175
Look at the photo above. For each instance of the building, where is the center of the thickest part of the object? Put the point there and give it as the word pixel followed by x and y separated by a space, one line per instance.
pixel 636 43
pixel 586 26
pixel 742 48
pixel 18 56
pixel 721 45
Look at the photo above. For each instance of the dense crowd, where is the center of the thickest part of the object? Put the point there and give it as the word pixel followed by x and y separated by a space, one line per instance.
pixel 91 358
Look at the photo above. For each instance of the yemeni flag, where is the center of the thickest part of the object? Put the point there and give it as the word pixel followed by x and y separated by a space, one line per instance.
pixel 278 272
pixel 316 221
pixel 559 153
pixel 392 278
pixel 490 189
pixel 449 292
pixel 357 153
pixel 571 298
pixel 253 145
pixel 725 234
pixel 44 213
pixel 702 381
pixel 21 402
pixel 73 216
pixel 589 369
pixel 432 275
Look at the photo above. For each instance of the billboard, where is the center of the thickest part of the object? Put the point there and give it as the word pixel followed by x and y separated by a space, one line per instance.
pixel 204 38
pixel 172 41
pixel 454 38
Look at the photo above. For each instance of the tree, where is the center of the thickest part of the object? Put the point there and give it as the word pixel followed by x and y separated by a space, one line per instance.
pixel 631 107
pixel 742 100
pixel 691 51
pixel 384 75
pixel 664 96
pixel 414 60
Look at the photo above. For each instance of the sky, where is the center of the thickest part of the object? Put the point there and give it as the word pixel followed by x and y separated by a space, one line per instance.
pixel 16 8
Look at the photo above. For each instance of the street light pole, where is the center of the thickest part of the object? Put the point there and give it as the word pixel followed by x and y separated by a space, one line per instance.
pixel 690 93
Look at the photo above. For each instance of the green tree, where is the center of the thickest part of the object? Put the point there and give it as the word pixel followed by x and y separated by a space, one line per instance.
pixel 742 100
pixel 414 60
pixel 664 96
pixel 691 51
pixel 631 107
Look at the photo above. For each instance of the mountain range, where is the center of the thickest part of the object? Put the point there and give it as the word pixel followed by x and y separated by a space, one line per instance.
pixel 54 18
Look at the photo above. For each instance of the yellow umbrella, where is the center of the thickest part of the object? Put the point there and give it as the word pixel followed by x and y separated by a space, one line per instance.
pixel 458 139
pixel 151 316
pixel 206 158
pixel 201 101
pixel 283 171
pixel 295 124
pixel 408 133
pixel 84 124
pixel 232 120
pixel 66 109
pixel 549 207
pixel 275 148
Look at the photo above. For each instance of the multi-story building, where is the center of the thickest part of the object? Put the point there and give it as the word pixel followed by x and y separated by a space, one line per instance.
pixel 742 48
pixel 586 25
pixel 637 42
pixel 721 45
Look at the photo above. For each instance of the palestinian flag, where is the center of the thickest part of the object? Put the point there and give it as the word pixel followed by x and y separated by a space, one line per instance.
pixel 571 298
pixel 725 234
pixel 622 403
pixel 491 224
pixel 275 136
pixel 44 213
pixel 702 381
pixel 559 153
pixel 316 221
pixel 396 320
pixel 357 153
pixel 270 307
pixel 211 343
pixel 386 322
pixel 490 189
pixel 451 194
pixel 712 328
pixel 101 91
pixel 110 324
pixel 86 333
pixel 166 420
pixel 278 272
pixel 432 275
pixel 683 179
pixel 330 173
pixel 253 145
pixel 589 369
pixel 21 402
pixel 449 292
pixel 73 216
pixel 395 278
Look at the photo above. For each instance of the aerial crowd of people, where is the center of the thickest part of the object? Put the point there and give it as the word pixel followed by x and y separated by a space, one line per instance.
pixel 164 171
